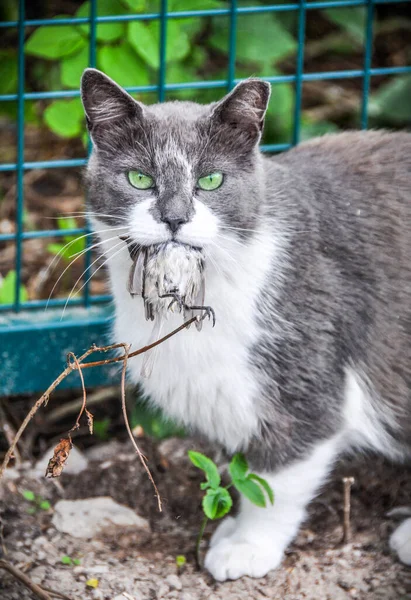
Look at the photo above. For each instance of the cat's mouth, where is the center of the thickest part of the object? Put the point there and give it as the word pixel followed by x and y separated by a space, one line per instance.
pixel 169 276
pixel 134 248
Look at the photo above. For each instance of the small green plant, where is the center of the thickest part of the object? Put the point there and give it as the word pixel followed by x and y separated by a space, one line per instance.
pixel 70 562
pixel 181 562
pixel 217 500
pixel 37 503
pixel 71 244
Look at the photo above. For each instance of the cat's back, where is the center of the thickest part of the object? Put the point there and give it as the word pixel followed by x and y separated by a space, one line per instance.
pixel 356 191
pixel 357 153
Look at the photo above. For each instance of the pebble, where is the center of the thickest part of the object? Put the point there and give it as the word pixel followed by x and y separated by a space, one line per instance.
pixel 174 582
pixel 87 518
pixel 163 589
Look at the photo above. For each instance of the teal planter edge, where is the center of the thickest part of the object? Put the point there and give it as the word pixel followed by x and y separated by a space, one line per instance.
pixel 34 347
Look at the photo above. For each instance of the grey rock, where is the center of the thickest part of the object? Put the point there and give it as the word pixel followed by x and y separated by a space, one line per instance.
pixel 88 518
pixel 174 582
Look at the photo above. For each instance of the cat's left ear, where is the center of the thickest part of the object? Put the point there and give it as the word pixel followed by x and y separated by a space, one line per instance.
pixel 244 108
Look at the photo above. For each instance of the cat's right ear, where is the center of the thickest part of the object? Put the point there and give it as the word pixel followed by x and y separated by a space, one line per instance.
pixel 105 103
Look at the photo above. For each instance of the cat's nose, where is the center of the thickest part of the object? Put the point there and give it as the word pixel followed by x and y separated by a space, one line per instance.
pixel 174 224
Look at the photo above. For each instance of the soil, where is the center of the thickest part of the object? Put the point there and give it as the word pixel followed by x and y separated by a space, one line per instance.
pixel 317 566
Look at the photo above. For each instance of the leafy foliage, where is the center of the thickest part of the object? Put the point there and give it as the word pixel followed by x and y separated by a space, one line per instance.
pixel 392 101
pixel 71 245
pixel 196 49
pixel 8 287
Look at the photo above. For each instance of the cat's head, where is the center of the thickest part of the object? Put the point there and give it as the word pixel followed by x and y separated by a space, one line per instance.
pixel 177 170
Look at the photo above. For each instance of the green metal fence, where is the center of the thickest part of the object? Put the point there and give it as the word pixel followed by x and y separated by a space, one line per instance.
pixel 33 343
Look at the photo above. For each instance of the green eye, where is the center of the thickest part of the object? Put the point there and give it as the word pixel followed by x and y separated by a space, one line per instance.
pixel 140 181
pixel 210 182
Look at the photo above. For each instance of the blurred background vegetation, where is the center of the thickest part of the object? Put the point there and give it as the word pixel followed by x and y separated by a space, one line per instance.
pixel 197 51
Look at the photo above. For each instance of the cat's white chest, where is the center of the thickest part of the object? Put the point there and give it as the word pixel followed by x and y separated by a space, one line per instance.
pixel 204 380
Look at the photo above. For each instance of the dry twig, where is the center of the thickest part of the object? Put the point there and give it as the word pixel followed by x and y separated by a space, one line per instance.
pixel 130 433
pixel 9 434
pixel 20 576
pixel 348 482
pixel 78 364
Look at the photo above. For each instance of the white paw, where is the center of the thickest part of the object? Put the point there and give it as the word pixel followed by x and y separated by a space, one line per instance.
pixel 231 559
pixel 400 541
pixel 225 529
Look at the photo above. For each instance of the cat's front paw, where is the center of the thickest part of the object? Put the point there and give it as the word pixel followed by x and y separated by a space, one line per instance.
pixel 232 558
pixel 400 541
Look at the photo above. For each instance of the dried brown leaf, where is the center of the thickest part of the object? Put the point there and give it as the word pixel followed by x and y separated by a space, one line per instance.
pixel 59 458
pixel 90 421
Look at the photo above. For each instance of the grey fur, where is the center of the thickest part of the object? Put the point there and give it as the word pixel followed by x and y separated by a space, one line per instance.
pixel 344 202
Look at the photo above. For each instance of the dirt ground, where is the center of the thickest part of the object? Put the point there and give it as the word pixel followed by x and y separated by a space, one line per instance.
pixel 139 567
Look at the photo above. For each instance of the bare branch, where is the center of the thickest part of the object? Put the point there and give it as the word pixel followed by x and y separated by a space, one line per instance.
pixel 20 576
pixel 347 482
pixel 130 433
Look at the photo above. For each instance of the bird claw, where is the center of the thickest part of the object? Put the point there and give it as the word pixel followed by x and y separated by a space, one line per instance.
pixel 206 310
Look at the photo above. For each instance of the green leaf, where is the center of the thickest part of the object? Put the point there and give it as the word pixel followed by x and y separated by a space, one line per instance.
pixel 250 490
pixel 122 64
pixel 238 466
pixel 261 39
pixel 217 503
pixel 28 495
pixel 207 465
pixel 264 484
pixel 66 560
pixel 76 561
pixel 153 422
pixel 54 248
pixel 105 32
pixel 8 71
pixel 101 427
pixel 350 19
pixel 310 129
pixel 135 6
pixel 280 113
pixel 392 101
pixel 194 25
pixel 7 289
pixel 72 68
pixel 65 117
pixel 54 41
pixel 145 39
pixel 69 223
pixel 44 505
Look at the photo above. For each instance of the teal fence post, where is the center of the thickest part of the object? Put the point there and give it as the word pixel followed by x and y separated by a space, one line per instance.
pixel 20 156
pixel 367 63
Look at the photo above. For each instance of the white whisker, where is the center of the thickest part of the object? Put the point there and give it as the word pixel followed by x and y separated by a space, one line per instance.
pixel 92 275
pixel 66 269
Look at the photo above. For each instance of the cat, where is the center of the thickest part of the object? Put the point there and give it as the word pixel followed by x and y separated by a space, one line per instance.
pixel 308 270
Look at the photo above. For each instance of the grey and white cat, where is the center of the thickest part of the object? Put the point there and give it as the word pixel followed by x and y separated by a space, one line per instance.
pixel 308 269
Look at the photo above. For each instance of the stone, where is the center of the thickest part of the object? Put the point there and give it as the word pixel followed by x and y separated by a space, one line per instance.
pixel 174 582
pixel 75 464
pixel 87 518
